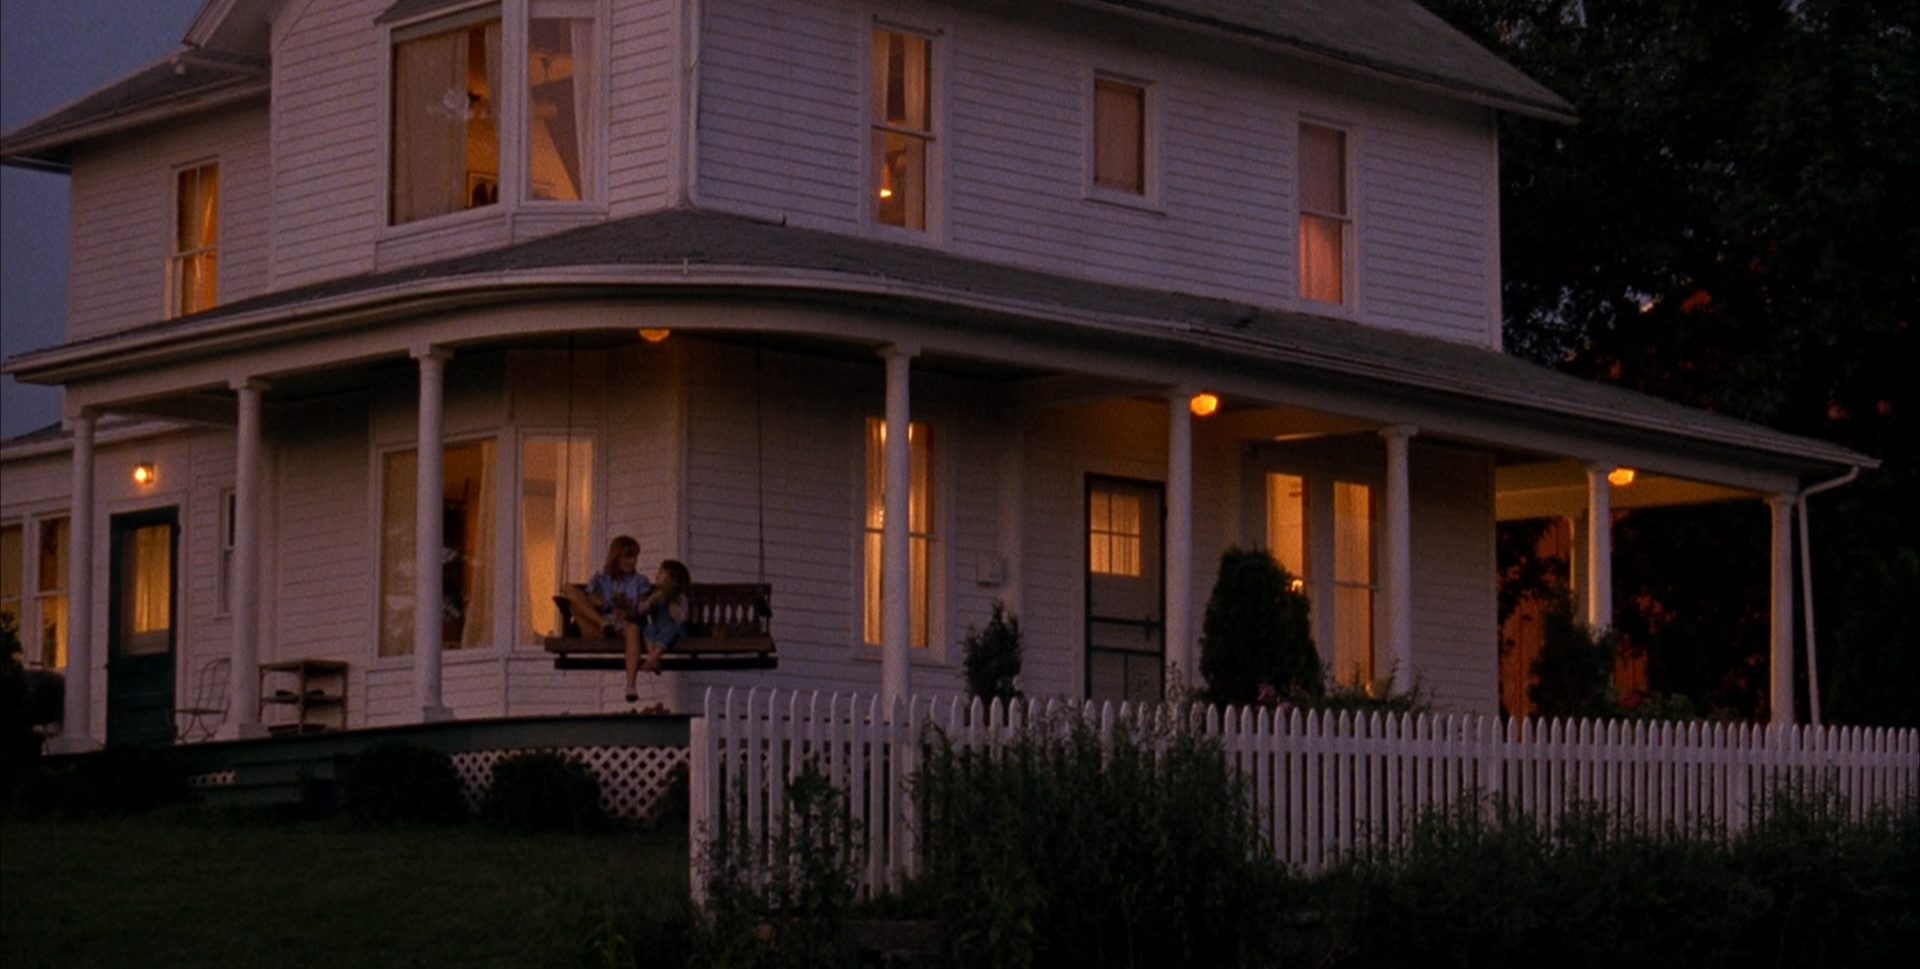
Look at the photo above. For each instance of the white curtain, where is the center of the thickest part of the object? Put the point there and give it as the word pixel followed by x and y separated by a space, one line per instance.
pixel 585 83
pixel 478 553
pixel 429 126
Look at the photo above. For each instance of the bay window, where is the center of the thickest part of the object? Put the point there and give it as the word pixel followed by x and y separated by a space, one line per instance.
pixel 561 80
pixel 446 131
pixel 556 515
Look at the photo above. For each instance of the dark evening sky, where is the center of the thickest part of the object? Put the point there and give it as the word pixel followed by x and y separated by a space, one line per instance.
pixel 51 52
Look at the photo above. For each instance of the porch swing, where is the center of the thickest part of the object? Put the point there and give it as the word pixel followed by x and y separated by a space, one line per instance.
pixel 729 624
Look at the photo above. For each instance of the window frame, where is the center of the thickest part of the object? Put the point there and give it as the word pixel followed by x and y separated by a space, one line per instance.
pixel 174 291
pixel 939 547
pixel 514 102
pixel 938 93
pixel 1149 197
pixel 33 597
pixel 1319 541
pixel 595 537
pixel 1349 304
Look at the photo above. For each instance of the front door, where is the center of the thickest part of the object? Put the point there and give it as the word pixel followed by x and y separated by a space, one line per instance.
pixel 1126 607
pixel 140 623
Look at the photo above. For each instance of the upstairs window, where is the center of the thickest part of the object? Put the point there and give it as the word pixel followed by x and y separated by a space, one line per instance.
pixel 446 132
pixel 194 270
pixel 902 127
pixel 1119 137
pixel 1326 222
pixel 561 81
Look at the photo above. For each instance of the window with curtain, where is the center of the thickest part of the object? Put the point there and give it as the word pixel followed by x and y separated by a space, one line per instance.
pixel 1353 583
pixel 1119 136
pixel 561 81
pixel 194 269
pixel 556 515
pixel 446 136
pixel 902 127
pixel 919 529
pixel 1113 534
pixel 1326 223
pixel 467 523
pixel 1287 525
pixel 13 564
pixel 147 607
pixel 50 595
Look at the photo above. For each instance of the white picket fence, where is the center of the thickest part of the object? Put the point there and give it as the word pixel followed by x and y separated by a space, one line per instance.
pixel 1323 784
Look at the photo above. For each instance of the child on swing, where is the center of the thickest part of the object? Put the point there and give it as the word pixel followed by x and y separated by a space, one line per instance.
pixel 665 609
pixel 614 602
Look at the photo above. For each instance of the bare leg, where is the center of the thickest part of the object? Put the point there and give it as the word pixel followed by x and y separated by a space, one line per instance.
pixel 633 661
pixel 585 613
pixel 653 657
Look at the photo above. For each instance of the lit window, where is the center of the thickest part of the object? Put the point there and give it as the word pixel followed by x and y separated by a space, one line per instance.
pixel 1113 534
pixel 50 595
pixel 919 529
pixel 12 564
pixel 446 134
pixel 1287 523
pixel 556 515
pixel 902 127
pixel 1325 220
pixel 467 516
pixel 1353 583
pixel 146 603
pixel 194 270
pixel 1119 136
pixel 561 81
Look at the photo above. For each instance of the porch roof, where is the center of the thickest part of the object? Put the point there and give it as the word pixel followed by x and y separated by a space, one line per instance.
pixel 683 252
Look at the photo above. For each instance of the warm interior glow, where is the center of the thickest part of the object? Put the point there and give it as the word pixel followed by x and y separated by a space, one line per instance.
pixel 655 336
pixel 145 474
pixel 1620 477
pixel 1203 405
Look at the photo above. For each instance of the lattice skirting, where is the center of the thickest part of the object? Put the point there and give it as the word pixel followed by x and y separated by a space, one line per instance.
pixel 634 781
pixel 219 778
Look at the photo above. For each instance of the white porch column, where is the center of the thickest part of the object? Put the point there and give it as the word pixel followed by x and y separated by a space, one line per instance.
pixel 243 678
pixel 76 722
pixel 896 549
pixel 1179 548
pixel 429 536
pixel 1780 637
pixel 1396 578
pixel 1597 590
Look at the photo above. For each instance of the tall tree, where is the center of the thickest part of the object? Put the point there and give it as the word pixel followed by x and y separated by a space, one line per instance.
pixel 1732 225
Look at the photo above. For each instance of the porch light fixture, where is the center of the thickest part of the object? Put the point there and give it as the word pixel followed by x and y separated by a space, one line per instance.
pixel 145 474
pixel 655 336
pixel 1620 477
pixel 1203 405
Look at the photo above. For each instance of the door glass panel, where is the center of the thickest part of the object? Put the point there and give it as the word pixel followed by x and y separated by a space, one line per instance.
pixel 1125 620
pixel 146 609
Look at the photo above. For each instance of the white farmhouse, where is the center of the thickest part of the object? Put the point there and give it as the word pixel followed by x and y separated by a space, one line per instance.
pixel 378 304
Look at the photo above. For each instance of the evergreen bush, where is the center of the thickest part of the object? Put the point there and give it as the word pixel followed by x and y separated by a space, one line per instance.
pixel 1573 677
pixel 543 791
pixel 395 782
pixel 992 656
pixel 1256 634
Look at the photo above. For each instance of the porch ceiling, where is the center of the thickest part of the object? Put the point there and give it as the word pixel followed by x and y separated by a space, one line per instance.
pixel 1548 489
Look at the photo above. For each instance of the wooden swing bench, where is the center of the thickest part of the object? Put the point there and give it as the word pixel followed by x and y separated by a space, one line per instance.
pixel 728 628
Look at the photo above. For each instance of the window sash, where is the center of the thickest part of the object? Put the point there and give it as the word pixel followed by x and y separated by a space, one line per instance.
pixel 560 109
pixel 1119 136
pixel 1325 213
pixel 49 647
pixel 902 123
pixel 467 584
pixel 229 510
pixel 920 535
pixel 444 155
pixel 13 567
pixel 194 266
pixel 1114 534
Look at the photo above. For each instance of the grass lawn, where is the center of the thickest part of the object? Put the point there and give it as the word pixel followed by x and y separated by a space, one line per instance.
pixel 188 890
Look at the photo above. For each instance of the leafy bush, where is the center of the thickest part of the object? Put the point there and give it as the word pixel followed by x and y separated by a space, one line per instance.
pixel 1065 848
pixel 19 745
pixel 1339 697
pixel 992 656
pixel 113 781
pixel 1475 885
pixel 788 906
pixel 1256 633
pixel 395 782
pixel 543 791
pixel 1574 675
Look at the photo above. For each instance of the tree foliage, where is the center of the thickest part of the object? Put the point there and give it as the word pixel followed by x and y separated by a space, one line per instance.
pixel 1731 225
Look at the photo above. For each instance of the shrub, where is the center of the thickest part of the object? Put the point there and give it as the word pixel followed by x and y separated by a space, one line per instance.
pixel 992 656
pixel 1339 697
pixel 543 791
pixel 1574 675
pixel 788 906
pixel 1256 633
pixel 114 781
pixel 395 782
pixel 19 745
pixel 1066 848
